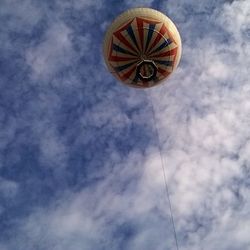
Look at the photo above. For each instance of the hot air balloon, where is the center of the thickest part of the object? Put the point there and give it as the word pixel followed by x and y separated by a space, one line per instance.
pixel 142 47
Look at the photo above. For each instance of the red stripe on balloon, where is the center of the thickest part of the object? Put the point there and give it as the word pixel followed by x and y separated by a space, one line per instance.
pixel 148 21
pixel 121 59
pixel 140 31
pixel 163 54
pixel 163 72
pixel 124 27
pixel 161 33
pixel 128 74
pixel 124 41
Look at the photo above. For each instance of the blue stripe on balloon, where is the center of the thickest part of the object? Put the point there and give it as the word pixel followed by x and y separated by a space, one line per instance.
pixel 150 34
pixel 121 50
pixel 125 66
pixel 136 79
pixel 132 35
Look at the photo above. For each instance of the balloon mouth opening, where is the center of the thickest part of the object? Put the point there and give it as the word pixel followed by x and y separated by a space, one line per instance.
pixel 146 70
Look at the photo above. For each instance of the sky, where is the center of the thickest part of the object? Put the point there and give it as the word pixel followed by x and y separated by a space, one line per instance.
pixel 80 165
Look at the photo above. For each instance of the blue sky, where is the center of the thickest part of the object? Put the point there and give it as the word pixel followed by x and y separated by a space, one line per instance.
pixel 80 166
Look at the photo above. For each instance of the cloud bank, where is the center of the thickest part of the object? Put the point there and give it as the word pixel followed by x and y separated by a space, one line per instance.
pixel 80 164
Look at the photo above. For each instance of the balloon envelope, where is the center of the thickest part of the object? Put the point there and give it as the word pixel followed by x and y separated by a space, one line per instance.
pixel 142 47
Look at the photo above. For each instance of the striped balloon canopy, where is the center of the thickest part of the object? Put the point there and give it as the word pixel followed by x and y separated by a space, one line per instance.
pixel 142 47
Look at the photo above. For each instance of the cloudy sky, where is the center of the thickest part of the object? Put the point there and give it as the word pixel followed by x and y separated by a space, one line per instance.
pixel 80 165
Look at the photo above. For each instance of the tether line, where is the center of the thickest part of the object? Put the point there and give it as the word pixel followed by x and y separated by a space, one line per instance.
pixel 163 164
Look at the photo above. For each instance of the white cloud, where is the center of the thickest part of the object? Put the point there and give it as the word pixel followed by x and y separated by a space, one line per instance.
pixel 20 21
pixel 53 149
pixel 139 3
pixel 52 54
pixel 131 195
pixel 82 4
pixel 235 18
pixel 202 115
pixel 203 118
pixel 8 189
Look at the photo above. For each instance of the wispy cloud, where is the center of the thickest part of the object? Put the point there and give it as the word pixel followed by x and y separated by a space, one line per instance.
pixel 51 54
pixel 79 159
pixel 203 117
